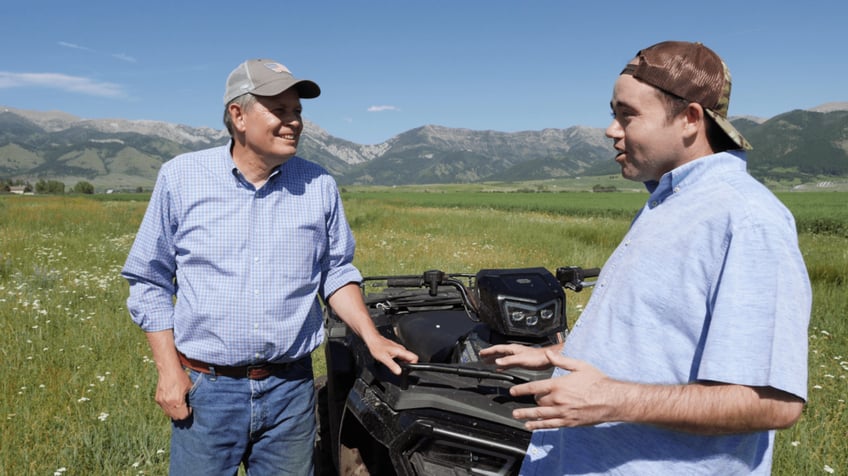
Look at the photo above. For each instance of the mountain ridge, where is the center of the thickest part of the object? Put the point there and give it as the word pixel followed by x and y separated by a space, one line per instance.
pixel 120 153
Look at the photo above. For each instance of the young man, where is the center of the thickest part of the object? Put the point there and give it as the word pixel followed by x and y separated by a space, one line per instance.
pixel 237 244
pixel 693 346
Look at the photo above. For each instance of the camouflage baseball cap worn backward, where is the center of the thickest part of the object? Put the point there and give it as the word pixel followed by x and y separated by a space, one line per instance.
pixel 693 72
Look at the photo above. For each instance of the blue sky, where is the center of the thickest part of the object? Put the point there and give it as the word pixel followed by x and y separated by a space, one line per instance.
pixel 389 66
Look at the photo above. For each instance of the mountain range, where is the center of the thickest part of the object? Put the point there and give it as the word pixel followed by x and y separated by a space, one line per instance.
pixel 123 154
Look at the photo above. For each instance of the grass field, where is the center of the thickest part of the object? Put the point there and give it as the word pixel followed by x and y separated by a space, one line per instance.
pixel 77 382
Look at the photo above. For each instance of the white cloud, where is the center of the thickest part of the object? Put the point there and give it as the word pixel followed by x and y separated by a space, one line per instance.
pixel 383 108
pixel 64 82
pixel 124 57
pixel 120 56
pixel 74 46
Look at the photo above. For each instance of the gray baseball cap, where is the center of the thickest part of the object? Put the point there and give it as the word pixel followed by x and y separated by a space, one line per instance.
pixel 265 77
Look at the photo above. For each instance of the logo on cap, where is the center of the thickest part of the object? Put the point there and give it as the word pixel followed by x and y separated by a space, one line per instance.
pixel 277 68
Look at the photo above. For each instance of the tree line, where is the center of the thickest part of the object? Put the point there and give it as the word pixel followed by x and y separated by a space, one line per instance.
pixel 46 187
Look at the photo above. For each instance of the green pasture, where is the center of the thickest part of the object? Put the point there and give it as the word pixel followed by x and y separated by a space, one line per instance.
pixel 77 384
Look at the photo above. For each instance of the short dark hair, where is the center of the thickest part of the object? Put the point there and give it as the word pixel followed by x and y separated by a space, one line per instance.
pixel 674 105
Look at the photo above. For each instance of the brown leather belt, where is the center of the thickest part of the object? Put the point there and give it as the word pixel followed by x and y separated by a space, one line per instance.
pixel 253 372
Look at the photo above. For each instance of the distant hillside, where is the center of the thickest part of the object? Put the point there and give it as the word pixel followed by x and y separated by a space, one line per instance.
pixel 127 154
pixel 799 144
pixel 107 153
pixel 434 154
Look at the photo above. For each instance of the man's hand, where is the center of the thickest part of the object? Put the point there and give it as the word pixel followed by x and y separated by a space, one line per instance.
pixel 587 396
pixel 575 399
pixel 386 350
pixel 171 391
pixel 349 306
pixel 173 384
pixel 516 355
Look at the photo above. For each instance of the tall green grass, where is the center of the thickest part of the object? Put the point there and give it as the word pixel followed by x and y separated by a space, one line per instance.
pixel 77 384
pixel 77 380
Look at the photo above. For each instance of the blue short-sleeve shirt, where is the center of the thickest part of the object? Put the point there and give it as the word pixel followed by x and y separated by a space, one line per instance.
pixel 707 285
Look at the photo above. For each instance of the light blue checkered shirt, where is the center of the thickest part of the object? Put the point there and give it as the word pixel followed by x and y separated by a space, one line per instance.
pixel 708 284
pixel 246 266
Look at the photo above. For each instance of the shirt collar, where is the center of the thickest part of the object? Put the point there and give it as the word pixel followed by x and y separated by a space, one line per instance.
pixel 236 173
pixel 695 171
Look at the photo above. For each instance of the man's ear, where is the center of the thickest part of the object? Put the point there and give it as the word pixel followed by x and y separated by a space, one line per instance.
pixel 694 121
pixel 236 116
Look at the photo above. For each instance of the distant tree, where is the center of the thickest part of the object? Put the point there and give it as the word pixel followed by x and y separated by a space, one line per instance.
pixel 51 187
pixel 84 187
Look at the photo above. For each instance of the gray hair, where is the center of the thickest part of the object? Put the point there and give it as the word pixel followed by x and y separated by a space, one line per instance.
pixel 246 101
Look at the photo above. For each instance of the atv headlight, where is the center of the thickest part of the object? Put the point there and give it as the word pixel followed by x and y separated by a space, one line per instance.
pixel 521 302
pixel 526 318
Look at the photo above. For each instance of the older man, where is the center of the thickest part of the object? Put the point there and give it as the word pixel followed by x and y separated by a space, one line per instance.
pixel 237 245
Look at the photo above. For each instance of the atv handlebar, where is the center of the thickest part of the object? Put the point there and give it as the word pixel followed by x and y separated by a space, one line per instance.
pixel 574 277
pixel 570 277
pixel 405 282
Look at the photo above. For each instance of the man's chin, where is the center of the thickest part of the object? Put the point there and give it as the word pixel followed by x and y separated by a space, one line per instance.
pixel 286 152
pixel 631 175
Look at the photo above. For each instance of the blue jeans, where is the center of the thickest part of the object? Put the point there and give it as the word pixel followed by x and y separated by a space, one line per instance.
pixel 268 425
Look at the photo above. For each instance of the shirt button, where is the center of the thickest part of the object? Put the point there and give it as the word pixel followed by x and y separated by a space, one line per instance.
pixel 676 189
pixel 654 203
pixel 256 292
pixel 256 259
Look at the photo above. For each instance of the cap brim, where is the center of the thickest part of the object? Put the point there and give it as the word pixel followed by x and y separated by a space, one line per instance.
pixel 306 89
pixel 728 129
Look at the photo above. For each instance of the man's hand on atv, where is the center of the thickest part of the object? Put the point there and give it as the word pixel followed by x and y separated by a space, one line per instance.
pixel 349 306
pixel 386 351
pixel 516 355
pixel 575 399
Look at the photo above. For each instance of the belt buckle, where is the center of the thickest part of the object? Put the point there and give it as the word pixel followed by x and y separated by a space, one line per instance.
pixel 257 372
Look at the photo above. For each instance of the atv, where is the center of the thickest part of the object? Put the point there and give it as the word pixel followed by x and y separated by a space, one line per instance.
pixel 450 413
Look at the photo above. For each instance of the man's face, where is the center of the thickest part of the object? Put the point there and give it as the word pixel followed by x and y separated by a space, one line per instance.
pixel 272 126
pixel 648 144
